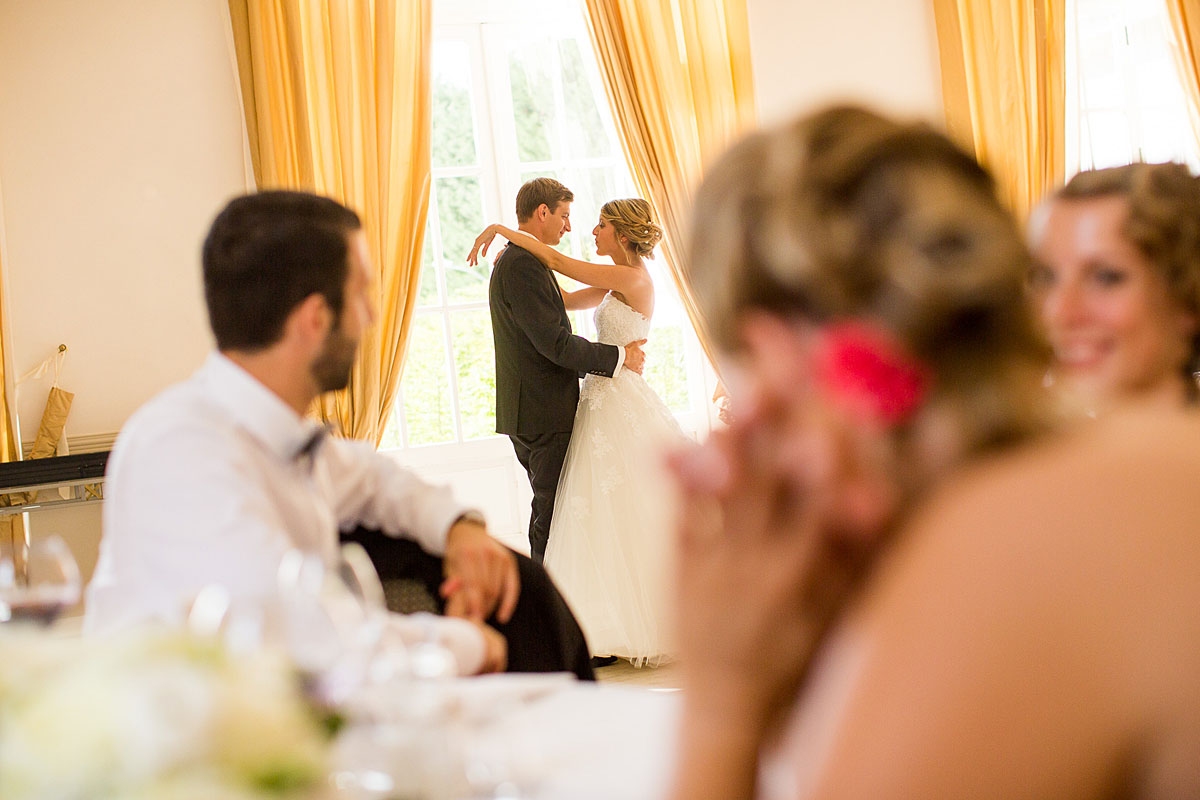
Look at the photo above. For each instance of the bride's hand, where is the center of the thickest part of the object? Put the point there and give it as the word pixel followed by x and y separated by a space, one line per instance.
pixel 482 242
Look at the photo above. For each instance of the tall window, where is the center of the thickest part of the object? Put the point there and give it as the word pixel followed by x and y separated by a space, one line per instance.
pixel 1125 101
pixel 516 94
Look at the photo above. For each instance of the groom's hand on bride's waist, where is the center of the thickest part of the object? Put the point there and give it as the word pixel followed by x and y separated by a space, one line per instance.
pixel 635 359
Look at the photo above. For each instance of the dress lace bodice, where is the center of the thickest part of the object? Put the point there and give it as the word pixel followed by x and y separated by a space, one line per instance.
pixel 617 323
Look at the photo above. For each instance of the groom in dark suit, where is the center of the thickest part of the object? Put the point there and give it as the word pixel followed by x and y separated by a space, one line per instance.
pixel 538 360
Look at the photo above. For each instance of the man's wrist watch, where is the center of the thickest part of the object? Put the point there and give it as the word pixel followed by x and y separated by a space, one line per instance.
pixel 470 516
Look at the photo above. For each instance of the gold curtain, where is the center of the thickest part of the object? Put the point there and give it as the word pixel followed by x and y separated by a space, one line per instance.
pixel 1003 87
pixel 678 78
pixel 12 527
pixel 1185 20
pixel 337 101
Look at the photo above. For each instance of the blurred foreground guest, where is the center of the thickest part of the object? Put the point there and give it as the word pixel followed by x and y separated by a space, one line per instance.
pixel 1116 284
pixel 896 581
pixel 215 479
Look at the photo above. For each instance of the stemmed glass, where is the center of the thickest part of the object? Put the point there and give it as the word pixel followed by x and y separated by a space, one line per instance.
pixel 49 585
pixel 328 620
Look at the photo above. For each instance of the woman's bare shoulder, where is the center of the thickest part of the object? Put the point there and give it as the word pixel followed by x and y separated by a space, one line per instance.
pixel 1078 469
pixel 1091 534
pixel 1044 596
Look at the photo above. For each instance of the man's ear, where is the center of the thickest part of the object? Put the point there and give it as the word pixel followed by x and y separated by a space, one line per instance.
pixel 542 212
pixel 311 319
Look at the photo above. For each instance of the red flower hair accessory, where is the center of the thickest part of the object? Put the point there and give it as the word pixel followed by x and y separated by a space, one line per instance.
pixel 866 370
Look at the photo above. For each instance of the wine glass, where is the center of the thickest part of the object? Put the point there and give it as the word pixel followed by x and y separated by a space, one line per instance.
pixel 49 585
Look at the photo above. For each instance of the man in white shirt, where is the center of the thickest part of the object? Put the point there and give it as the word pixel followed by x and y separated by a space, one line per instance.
pixel 213 480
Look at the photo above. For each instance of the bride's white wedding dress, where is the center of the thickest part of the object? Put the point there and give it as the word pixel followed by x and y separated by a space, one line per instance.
pixel 610 549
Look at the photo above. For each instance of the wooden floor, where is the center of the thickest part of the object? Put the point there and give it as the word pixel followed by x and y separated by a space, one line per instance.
pixel 664 678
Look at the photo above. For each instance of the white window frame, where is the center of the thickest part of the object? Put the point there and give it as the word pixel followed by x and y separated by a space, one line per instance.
pixel 1079 113
pixel 499 173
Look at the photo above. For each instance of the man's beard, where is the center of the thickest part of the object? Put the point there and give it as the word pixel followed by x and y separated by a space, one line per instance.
pixel 332 366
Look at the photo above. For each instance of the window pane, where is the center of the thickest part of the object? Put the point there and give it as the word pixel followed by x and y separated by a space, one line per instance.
pixel 533 100
pixel 586 136
pixel 460 214
pixel 665 370
pixel 428 293
pixel 391 432
pixel 453 142
pixel 541 173
pixel 426 384
pixel 1103 84
pixel 1110 142
pixel 597 187
pixel 475 364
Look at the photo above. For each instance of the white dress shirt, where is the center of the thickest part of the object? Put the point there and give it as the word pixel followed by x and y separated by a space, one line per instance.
pixel 211 483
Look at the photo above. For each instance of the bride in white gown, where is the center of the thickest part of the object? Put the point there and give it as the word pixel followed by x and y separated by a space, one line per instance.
pixel 610 549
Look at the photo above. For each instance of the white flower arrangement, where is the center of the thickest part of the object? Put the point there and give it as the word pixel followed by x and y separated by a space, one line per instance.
pixel 160 716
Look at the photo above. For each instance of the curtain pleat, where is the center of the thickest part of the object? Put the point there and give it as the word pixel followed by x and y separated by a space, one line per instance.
pixel 12 527
pixel 337 101
pixel 1185 21
pixel 1003 88
pixel 678 78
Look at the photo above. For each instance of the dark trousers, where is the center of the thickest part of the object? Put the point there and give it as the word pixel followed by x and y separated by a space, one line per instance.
pixel 542 457
pixel 543 635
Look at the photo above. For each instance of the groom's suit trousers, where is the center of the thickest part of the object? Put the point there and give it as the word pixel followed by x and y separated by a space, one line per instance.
pixel 542 456
pixel 538 365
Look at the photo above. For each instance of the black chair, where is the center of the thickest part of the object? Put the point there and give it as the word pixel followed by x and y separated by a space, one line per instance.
pixel 543 635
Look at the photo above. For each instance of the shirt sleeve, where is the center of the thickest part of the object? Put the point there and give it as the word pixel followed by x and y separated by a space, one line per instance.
pixel 373 490
pixel 182 511
pixel 461 638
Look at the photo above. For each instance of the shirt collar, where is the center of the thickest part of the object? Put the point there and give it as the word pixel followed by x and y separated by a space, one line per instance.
pixel 256 409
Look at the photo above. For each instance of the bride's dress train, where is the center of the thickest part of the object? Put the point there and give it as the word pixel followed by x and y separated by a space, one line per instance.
pixel 610 549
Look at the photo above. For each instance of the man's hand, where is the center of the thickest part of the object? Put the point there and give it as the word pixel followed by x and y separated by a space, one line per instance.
pixel 481 574
pixel 635 359
pixel 495 650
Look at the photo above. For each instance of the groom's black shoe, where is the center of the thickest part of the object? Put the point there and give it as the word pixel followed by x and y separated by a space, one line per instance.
pixel 603 661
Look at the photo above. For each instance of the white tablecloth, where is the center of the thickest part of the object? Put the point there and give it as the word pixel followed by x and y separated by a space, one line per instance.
pixel 594 742
pixel 549 737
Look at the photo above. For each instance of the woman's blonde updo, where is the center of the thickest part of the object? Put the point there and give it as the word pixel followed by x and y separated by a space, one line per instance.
pixel 846 214
pixel 632 219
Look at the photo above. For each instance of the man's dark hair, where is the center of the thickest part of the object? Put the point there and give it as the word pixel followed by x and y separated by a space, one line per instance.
pixel 264 254
pixel 538 191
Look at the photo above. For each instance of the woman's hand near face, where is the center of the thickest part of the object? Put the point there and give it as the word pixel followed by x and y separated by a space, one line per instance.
pixel 781 515
pixel 768 556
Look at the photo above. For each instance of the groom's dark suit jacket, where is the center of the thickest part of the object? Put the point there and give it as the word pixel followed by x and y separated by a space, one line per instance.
pixel 538 360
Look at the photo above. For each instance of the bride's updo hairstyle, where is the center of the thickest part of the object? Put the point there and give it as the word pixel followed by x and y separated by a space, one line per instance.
pixel 846 215
pixel 633 220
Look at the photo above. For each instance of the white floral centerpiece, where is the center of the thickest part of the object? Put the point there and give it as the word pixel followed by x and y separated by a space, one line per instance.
pixel 153 715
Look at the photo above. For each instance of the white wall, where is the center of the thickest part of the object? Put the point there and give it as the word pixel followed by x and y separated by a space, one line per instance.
pixel 877 52
pixel 119 137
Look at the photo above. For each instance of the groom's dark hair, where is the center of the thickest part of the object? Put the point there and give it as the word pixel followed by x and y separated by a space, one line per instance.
pixel 538 191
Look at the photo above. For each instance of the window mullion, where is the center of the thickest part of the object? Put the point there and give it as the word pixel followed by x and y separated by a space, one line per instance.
pixel 448 339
